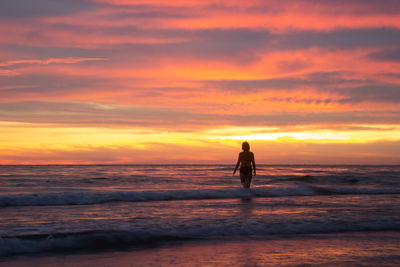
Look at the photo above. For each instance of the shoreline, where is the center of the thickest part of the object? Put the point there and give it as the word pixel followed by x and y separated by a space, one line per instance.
pixel 343 249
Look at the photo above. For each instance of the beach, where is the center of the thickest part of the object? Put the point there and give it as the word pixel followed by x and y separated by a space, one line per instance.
pixel 197 215
pixel 199 133
pixel 341 249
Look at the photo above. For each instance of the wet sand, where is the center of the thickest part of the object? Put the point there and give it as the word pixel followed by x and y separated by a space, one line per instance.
pixel 340 249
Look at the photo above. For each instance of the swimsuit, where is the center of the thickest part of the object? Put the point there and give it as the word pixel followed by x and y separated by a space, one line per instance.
pixel 246 170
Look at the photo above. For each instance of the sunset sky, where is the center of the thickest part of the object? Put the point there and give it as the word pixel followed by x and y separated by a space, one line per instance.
pixel 154 81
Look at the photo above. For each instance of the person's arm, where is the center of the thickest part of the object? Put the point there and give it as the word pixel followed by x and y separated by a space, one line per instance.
pixel 237 165
pixel 254 164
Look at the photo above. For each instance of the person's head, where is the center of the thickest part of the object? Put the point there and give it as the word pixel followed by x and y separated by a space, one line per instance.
pixel 245 146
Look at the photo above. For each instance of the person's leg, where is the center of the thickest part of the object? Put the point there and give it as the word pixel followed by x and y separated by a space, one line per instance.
pixel 248 180
pixel 243 179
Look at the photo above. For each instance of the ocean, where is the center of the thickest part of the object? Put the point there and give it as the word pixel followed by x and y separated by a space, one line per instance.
pixel 59 209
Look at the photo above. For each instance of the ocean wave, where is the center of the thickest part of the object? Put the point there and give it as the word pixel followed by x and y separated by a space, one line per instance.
pixel 86 198
pixel 327 190
pixel 111 239
pixel 323 179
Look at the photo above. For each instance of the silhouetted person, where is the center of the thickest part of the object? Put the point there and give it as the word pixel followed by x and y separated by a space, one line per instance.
pixel 246 160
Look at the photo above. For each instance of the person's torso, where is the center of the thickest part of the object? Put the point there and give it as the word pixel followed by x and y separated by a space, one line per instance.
pixel 246 158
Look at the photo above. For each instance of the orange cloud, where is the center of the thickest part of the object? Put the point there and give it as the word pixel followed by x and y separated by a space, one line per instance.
pixel 98 81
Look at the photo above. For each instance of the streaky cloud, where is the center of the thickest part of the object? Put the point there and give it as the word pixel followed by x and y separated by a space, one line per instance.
pixel 39 8
pixel 317 79
pixel 84 114
pixel 390 55
pixel 68 60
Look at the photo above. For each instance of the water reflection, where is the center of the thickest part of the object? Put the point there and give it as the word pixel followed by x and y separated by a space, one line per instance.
pixel 246 206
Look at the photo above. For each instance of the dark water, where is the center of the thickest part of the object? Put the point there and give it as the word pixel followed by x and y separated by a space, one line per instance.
pixel 73 208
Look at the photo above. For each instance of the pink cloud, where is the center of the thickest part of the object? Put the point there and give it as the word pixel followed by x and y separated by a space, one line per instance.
pixel 191 65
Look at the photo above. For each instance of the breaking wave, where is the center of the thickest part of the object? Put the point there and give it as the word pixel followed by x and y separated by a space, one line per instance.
pixel 100 240
pixel 86 198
